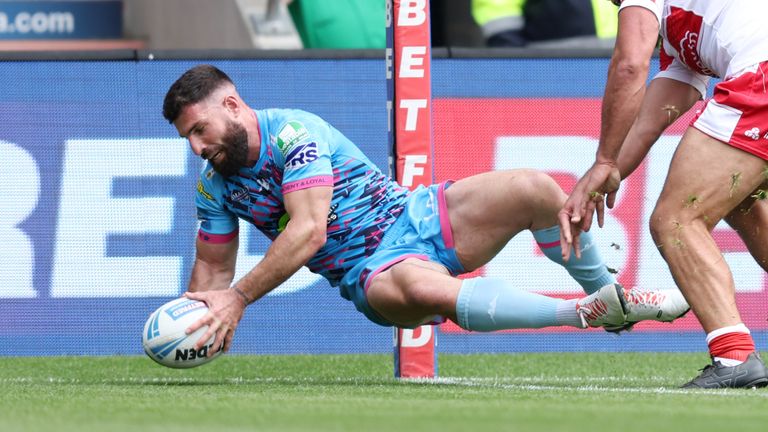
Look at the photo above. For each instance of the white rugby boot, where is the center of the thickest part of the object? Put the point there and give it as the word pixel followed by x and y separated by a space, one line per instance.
pixel 603 308
pixel 664 305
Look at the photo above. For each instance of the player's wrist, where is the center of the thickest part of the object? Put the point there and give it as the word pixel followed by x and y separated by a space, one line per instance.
pixel 247 300
pixel 607 161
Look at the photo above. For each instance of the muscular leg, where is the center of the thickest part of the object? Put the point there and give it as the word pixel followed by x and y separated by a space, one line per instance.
pixel 750 220
pixel 488 209
pixel 485 211
pixel 414 292
pixel 707 179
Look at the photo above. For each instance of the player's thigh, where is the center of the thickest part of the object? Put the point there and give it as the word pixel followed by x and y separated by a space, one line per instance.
pixel 707 179
pixel 413 292
pixel 488 209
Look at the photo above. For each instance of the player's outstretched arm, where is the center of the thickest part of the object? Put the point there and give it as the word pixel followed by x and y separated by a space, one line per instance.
pixel 214 265
pixel 624 90
pixel 303 236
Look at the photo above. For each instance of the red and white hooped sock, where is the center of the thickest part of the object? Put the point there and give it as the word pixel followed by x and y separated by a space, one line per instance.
pixel 730 345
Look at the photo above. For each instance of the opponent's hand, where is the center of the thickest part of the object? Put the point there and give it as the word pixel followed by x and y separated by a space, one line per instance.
pixel 596 189
pixel 225 309
pixel 569 235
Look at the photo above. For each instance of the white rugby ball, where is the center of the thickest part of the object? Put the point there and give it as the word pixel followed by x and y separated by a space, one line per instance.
pixel 165 340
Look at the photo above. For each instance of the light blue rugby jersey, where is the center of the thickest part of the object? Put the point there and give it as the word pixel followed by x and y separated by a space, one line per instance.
pixel 300 150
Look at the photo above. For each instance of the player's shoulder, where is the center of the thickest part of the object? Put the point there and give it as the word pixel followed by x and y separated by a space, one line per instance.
pixel 282 116
pixel 294 126
pixel 209 183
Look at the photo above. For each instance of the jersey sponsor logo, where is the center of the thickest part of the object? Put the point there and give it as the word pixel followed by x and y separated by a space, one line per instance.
pixel 201 190
pixel 683 29
pixel 332 216
pixel 292 133
pixel 239 195
pixel 263 184
pixel 301 155
pixel 753 133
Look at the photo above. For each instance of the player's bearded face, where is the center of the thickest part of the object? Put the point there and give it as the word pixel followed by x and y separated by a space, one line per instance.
pixel 233 153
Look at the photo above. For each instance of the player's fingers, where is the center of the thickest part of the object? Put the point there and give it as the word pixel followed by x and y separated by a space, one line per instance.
pixel 213 324
pixel 197 324
pixel 218 343
pixel 576 215
pixel 193 295
pixel 586 223
pixel 206 337
pixel 228 340
pixel 579 212
pixel 565 234
pixel 600 209
pixel 611 199
pixel 565 226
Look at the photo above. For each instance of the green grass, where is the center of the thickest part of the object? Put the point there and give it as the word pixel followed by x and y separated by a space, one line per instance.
pixel 515 392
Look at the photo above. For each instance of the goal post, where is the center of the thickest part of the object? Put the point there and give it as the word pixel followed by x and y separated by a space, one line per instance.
pixel 409 106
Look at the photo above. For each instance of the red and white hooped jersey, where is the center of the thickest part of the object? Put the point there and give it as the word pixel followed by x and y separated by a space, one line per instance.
pixel 702 38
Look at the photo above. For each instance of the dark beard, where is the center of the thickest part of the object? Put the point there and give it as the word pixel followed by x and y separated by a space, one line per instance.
pixel 235 147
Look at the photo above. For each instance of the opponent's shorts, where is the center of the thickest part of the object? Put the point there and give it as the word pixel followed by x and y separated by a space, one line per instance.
pixel 422 231
pixel 737 113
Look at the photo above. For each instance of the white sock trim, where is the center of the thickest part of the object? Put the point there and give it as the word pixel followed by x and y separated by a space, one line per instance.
pixel 738 328
pixel 566 314
pixel 727 362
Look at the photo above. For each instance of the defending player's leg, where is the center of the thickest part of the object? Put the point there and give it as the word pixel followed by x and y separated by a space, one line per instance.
pixel 689 207
pixel 750 221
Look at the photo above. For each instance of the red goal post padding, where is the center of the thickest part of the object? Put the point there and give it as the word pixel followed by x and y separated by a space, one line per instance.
pixel 409 103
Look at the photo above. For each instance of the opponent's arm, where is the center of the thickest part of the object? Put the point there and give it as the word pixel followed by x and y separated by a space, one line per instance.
pixel 637 34
pixel 627 74
pixel 665 101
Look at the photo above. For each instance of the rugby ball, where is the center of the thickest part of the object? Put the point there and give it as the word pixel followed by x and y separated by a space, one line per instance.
pixel 165 340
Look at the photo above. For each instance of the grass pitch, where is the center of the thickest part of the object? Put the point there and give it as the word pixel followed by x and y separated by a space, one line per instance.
pixel 515 392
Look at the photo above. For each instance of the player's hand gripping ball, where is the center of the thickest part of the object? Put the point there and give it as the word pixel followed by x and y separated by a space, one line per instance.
pixel 164 339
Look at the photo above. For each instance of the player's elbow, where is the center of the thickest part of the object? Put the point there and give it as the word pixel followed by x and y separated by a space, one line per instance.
pixel 317 235
pixel 631 68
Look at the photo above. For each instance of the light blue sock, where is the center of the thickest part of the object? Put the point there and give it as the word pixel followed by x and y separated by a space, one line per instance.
pixel 590 271
pixel 487 304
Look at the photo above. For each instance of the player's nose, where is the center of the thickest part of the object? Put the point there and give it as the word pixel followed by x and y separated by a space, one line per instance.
pixel 197 145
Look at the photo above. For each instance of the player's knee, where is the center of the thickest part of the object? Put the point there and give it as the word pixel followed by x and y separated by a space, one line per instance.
pixel 534 186
pixel 668 224
pixel 407 282
pixel 658 224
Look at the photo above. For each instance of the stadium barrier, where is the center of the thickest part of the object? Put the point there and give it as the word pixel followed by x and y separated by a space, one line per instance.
pixel 98 218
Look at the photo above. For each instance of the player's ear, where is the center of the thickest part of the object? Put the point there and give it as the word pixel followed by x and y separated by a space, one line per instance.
pixel 232 105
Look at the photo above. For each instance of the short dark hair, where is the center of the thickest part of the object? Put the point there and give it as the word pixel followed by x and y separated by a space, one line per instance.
pixel 193 86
